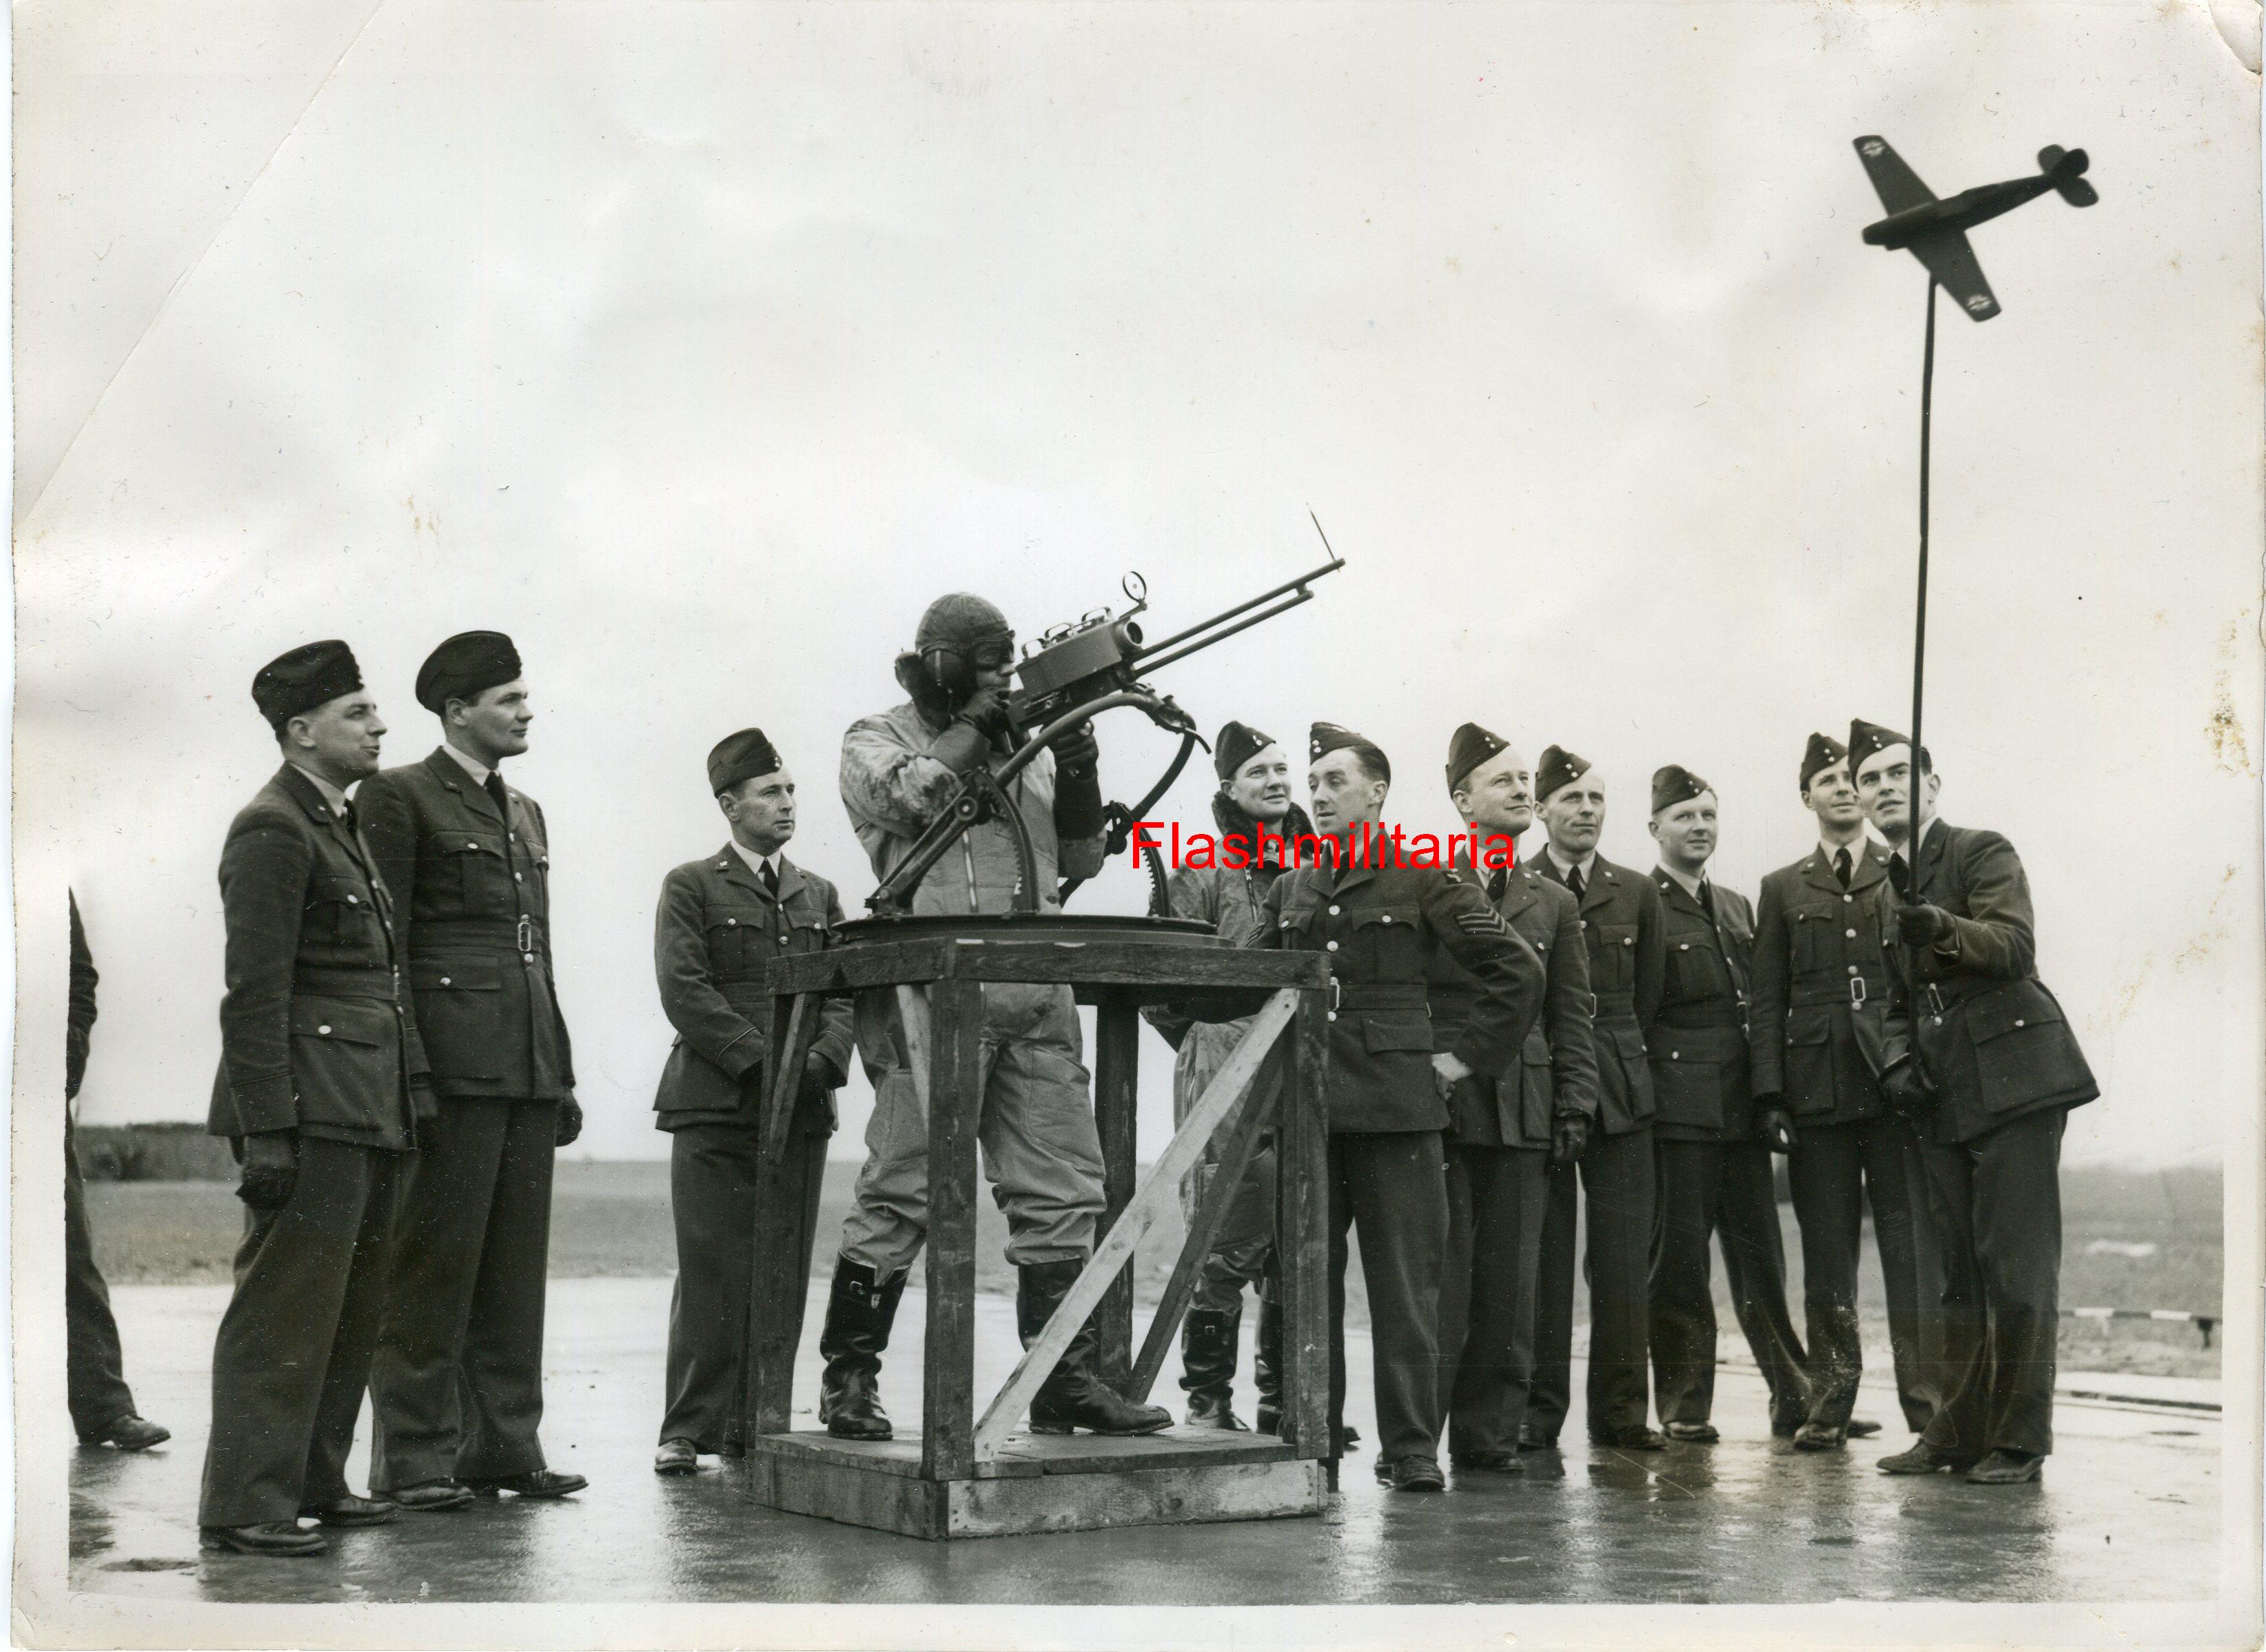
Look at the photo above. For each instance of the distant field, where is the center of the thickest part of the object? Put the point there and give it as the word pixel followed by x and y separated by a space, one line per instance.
pixel 613 1219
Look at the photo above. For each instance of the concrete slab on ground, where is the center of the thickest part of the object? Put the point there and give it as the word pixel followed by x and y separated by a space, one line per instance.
pixel 2129 1509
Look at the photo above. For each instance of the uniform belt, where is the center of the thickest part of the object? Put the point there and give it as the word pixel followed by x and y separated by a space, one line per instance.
pixel 1612 1007
pixel 1837 993
pixel 432 934
pixel 1729 1016
pixel 1378 994
pixel 341 981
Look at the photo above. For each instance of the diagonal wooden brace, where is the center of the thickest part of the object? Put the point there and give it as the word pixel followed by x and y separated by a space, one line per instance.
pixel 1225 1188
pixel 1160 1187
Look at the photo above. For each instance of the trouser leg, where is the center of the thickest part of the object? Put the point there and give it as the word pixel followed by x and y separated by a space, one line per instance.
pixel 1400 1221
pixel 1342 1171
pixel 1552 1393
pixel 1824 1171
pixel 1754 1266
pixel 1245 1244
pixel 271 1360
pixel 1041 1152
pixel 1617 1178
pixel 711 1192
pixel 889 1205
pixel 1962 1421
pixel 2017 1227
pixel 1489 1361
pixel 1682 1296
pixel 95 1383
pixel 1892 1172
pixel 502 1363
pixel 360 1313
pixel 415 1378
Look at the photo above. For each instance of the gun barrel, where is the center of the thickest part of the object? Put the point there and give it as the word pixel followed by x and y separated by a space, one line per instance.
pixel 1206 633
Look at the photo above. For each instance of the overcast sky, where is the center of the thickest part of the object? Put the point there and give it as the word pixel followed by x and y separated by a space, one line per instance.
pixel 699 346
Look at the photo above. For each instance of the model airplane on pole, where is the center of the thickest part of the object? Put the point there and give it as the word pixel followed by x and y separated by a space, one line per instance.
pixel 1936 231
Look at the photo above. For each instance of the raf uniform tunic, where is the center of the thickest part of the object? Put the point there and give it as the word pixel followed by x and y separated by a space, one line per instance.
pixel 717 929
pixel 457 1384
pixel 1714 1173
pixel 318 1039
pixel 1381 926
pixel 1822 984
pixel 1498 1164
pixel 1620 920
pixel 2006 1069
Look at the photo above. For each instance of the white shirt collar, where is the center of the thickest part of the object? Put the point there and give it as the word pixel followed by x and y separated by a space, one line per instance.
pixel 473 766
pixel 1691 886
pixel 331 795
pixel 1826 851
pixel 1588 863
pixel 756 862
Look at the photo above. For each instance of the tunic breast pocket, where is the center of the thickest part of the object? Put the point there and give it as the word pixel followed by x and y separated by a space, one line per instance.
pixel 340 912
pixel 1389 944
pixel 1813 937
pixel 1612 961
pixel 739 940
pixel 1695 971
pixel 477 871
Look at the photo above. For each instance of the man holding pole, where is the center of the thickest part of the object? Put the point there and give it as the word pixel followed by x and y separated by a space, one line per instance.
pixel 1981 1057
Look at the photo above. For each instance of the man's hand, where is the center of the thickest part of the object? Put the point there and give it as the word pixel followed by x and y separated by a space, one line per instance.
pixel 1569 1137
pixel 424 1102
pixel 270 1169
pixel 1924 926
pixel 570 1122
pixel 817 1077
pixel 1078 754
pixel 1448 1071
pixel 1776 1124
pixel 985 710
pixel 1907 1088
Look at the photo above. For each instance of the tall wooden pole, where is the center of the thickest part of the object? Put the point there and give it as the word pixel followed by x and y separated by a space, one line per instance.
pixel 1919 612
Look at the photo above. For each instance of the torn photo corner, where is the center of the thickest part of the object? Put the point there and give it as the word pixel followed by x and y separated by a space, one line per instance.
pixel 751 746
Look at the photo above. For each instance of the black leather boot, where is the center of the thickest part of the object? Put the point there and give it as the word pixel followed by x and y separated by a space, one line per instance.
pixel 1266 1368
pixel 1073 1396
pixel 859 1314
pixel 1208 1343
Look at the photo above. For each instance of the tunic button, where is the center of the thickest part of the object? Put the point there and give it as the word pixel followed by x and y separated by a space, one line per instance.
pixel 1852 969
pixel 515 878
pixel 2018 1023
pixel 1388 917
pixel 1333 946
pixel 731 923
pixel 1684 946
pixel 1334 1015
pixel 1676 1054
pixel 1848 900
pixel 445 981
pixel 354 900
pixel 782 940
pixel 1585 923
pixel 1628 940
pixel 1334 912
pixel 325 1031
pixel 1851 934
pixel 527 957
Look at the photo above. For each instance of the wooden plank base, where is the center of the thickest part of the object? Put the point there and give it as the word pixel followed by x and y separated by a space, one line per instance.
pixel 1040 1483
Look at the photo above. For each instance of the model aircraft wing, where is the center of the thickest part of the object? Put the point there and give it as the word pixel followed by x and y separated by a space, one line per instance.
pixel 1898 187
pixel 1952 262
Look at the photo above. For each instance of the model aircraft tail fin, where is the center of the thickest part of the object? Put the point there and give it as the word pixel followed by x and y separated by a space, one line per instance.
pixel 2066 168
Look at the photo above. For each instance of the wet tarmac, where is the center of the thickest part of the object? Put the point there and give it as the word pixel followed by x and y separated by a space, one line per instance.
pixel 2130 1509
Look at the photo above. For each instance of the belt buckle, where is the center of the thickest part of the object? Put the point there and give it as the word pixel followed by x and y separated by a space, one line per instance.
pixel 1337 996
pixel 1857 992
pixel 1593 1006
pixel 526 935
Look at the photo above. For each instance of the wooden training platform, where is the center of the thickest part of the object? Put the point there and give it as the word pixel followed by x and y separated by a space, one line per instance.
pixel 966 1475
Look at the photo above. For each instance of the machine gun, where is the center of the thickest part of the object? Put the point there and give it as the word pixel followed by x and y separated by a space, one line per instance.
pixel 1069 675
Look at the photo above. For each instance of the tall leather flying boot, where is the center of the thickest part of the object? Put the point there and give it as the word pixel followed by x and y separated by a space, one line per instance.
pixel 1073 1396
pixel 1266 1367
pixel 858 1314
pixel 1208 1340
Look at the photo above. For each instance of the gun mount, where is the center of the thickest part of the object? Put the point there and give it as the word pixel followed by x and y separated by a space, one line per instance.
pixel 1069 675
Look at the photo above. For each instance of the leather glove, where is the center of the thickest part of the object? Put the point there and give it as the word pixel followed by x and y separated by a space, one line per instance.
pixel 1907 1087
pixel 986 711
pixel 1447 1072
pixel 961 747
pixel 1077 785
pixel 817 1077
pixel 1776 1124
pixel 1924 926
pixel 570 1122
pixel 423 1102
pixel 270 1170
pixel 1569 1137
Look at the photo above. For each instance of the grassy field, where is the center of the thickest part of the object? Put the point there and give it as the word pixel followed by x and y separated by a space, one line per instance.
pixel 611 1219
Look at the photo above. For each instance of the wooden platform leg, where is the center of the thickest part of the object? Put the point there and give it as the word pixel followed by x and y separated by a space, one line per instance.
pixel 1302 1238
pixel 778 1282
pixel 956 1099
pixel 1117 1089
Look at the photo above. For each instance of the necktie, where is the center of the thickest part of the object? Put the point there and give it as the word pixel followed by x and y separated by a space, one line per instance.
pixel 496 794
pixel 1842 865
pixel 1707 899
pixel 1574 882
pixel 1498 881
pixel 347 817
pixel 1899 876
pixel 770 877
